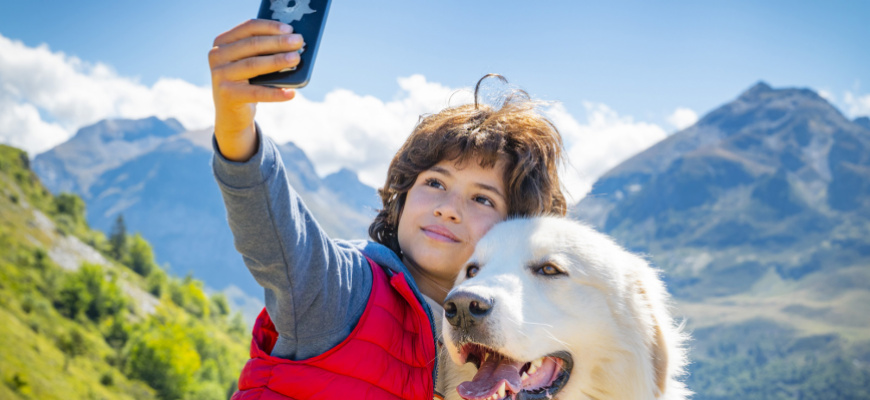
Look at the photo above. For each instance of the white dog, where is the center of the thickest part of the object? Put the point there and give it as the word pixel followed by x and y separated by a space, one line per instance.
pixel 547 308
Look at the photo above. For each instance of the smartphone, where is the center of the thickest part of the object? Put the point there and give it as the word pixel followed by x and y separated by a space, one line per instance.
pixel 308 18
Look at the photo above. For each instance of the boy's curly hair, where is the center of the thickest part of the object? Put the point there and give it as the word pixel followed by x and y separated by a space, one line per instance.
pixel 517 133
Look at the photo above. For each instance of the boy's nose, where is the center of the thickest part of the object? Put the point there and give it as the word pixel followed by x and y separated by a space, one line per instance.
pixel 448 210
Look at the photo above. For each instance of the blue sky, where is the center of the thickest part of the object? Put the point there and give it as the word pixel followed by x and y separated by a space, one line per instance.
pixel 641 58
pixel 636 62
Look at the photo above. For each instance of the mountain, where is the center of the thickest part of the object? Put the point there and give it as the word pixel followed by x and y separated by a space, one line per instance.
pixel 75 165
pixel 158 176
pixel 759 215
pixel 83 316
pixel 774 170
pixel 347 186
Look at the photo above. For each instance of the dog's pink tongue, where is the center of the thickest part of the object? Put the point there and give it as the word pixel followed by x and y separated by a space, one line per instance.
pixel 489 378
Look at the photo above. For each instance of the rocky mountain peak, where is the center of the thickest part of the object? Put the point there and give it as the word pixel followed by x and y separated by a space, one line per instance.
pixel 131 129
pixel 756 90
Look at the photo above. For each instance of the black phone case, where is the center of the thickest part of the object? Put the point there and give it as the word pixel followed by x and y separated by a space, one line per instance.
pixel 308 18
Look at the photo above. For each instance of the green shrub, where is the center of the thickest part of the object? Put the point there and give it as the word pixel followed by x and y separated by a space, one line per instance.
pixel 73 298
pixel 72 344
pixel 87 292
pixel 206 391
pixel 116 332
pixel 17 383
pixel 237 326
pixel 165 359
pixel 141 259
pixel 71 206
pixel 220 304
pixel 188 294
pixel 107 379
pixel 156 283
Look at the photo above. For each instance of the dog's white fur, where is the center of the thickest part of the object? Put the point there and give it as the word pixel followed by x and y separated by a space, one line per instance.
pixel 608 310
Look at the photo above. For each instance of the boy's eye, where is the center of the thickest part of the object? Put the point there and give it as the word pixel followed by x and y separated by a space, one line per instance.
pixel 484 200
pixel 432 182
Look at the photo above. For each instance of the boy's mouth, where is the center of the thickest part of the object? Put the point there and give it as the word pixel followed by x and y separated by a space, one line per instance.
pixel 440 234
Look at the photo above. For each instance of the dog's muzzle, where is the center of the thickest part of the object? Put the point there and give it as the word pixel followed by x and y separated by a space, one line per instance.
pixel 466 310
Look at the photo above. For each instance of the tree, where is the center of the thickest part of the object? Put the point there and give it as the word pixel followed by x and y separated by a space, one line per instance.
pixel 72 344
pixel 116 332
pixel 118 238
pixel 141 256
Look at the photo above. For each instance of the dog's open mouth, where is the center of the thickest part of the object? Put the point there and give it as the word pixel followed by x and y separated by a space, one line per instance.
pixel 499 377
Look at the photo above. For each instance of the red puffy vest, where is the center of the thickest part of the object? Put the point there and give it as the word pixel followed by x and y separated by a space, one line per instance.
pixel 390 354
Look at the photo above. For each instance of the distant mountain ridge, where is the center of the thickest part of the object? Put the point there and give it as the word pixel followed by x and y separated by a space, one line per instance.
pixel 158 175
pixel 776 168
pixel 75 165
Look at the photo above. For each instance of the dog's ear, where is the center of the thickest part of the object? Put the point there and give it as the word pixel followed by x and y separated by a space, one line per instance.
pixel 659 347
pixel 660 358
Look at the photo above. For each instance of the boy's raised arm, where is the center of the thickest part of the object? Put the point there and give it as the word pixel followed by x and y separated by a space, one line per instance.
pixel 315 288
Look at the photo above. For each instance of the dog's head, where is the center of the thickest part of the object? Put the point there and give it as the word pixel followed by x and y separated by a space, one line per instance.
pixel 547 307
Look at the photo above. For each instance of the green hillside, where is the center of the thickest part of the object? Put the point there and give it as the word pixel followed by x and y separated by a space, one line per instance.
pixel 85 316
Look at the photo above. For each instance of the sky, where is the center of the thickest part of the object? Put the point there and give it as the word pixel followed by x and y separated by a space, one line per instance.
pixel 623 75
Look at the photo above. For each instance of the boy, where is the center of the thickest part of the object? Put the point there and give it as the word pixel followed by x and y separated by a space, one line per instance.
pixel 354 319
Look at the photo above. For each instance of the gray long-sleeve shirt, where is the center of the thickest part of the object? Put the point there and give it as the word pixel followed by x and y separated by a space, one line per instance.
pixel 316 288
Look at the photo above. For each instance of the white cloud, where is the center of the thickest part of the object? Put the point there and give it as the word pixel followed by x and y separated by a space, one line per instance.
pixel 826 95
pixel 858 105
pixel 350 130
pixel 47 96
pixel 683 118
pixel 22 127
pixel 604 141
pixel 363 133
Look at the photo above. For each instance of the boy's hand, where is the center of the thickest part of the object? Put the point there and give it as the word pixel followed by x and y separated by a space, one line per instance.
pixel 252 48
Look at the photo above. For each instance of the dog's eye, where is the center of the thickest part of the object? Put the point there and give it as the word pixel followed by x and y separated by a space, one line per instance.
pixel 548 270
pixel 471 270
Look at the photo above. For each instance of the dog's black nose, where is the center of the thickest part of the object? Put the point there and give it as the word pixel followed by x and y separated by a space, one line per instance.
pixel 464 309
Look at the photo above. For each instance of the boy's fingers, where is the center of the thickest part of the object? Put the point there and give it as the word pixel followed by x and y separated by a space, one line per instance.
pixel 254 46
pixel 250 67
pixel 245 93
pixel 253 27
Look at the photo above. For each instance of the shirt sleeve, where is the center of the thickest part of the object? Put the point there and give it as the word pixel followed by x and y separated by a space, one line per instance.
pixel 315 288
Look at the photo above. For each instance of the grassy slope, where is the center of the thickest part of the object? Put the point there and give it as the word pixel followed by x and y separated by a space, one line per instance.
pixel 784 339
pixel 32 331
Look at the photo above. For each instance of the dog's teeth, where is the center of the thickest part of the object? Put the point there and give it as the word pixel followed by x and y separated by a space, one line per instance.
pixel 532 369
pixel 501 390
pixel 537 363
pixel 525 375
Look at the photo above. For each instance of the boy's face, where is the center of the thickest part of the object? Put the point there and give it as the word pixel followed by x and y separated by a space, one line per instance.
pixel 449 208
